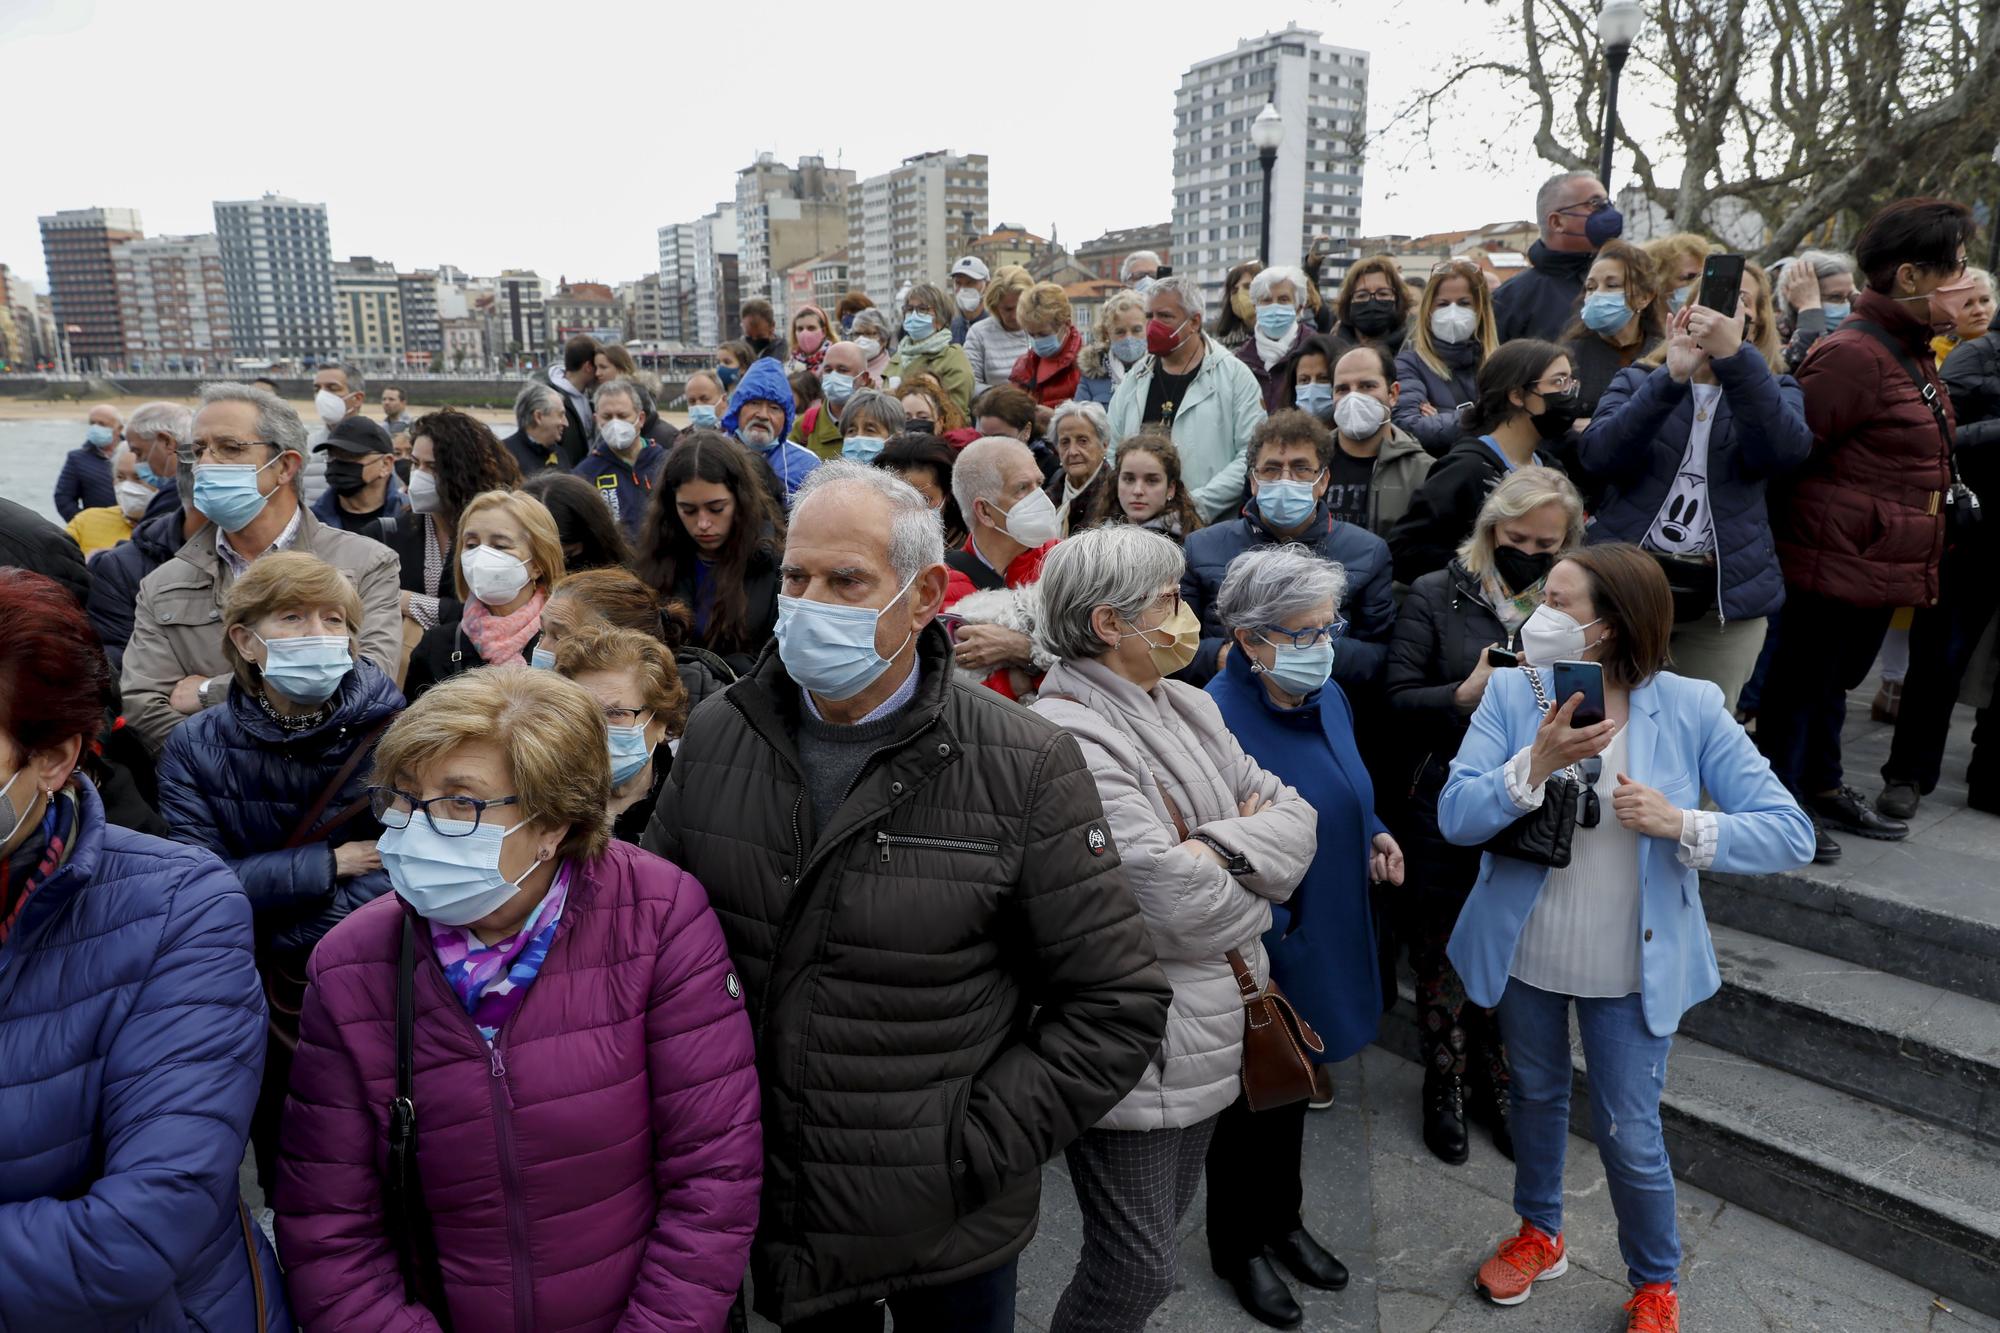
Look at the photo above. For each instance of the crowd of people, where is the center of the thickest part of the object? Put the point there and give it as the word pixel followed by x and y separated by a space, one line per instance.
pixel 613 874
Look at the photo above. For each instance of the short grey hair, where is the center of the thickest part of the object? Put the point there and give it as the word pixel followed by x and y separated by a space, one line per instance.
pixel 916 534
pixel 1268 585
pixel 932 298
pixel 977 473
pixel 1824 264
pixel 1266 279
pixel 121 453
pixel 1093 413
pixel 1122 567
pixel 535 397
pixel 276 422
pixel 1545 198
pixel 356 381
pixel 1184 286
pixel 1133 260
pixel 634 392
pixel 172 420
pixel 876 405
pixel 870 317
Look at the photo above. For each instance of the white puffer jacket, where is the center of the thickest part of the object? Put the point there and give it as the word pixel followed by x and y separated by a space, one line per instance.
pixel 1173 737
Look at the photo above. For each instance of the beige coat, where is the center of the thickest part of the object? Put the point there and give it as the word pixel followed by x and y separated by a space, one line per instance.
pixel 177 625
pixel 1173 737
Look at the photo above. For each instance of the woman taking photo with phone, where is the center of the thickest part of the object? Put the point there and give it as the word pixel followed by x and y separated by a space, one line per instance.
pixel 1617 931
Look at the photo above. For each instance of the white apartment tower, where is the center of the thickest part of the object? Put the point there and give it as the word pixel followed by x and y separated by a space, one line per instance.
pixel 715 276
pixel 677 282
pixel 785 214
pixel 1321 91
pixel 277 262
pixel 909 224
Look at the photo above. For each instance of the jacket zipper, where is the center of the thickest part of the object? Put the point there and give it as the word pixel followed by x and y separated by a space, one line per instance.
pixel 887 840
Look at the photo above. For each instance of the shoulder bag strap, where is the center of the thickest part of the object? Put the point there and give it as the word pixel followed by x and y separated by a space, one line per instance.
pixel 400 1188
pixel 1925 389
pixel 305 830
pixel 1542 702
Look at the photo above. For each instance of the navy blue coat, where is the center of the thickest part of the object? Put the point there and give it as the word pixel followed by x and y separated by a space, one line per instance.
pixel 131 1044
pixel 1370 607
pixel 328 511
pixel 626 487
pixel 115 576
pixel 232 782
pixel 84 483
pixel 1541 302
pixel 1421 384
pixel 1635 443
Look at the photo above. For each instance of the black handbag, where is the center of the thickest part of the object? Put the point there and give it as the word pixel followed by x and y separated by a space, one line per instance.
pixel 409 1221
pixel 1546 835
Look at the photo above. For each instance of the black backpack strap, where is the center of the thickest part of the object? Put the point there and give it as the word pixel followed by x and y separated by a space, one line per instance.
pixel 401 1188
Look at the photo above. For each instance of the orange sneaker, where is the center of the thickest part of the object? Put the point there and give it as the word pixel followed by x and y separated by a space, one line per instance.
pixel 1510 1275
pixel 1654 1309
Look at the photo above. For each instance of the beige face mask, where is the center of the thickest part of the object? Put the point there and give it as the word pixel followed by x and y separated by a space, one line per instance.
pixel 1185 626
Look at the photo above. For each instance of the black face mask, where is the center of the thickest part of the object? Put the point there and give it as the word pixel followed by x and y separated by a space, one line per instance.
pixel 403 466
pixel 919 426
pixel 1519 569
pixel 1372 319
pixel 344 475
pixel 1559 412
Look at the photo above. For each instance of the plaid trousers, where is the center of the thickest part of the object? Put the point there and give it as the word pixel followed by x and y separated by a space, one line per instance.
pixel 1133 1188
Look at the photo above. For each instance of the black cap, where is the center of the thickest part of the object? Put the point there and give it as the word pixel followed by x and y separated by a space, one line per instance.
pixel 358 435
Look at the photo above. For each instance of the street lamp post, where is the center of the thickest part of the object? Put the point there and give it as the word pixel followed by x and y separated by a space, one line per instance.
pixel 1618 23
pixel 1267 132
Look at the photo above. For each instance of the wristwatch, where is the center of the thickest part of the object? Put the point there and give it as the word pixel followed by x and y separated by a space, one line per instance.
pixel 1236 863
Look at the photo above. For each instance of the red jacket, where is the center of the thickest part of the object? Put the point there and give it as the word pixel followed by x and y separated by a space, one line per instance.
pixel 1864 520
pixel 1052 380
pixel 1024 569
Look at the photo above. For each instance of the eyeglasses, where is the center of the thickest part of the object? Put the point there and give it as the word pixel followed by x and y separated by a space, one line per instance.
pixel 393 809
pixel 227 451
pixel 1373 298
pixel 1556 384
pixel 1297 472
pixel 623 717
pixel 1589 206
pixel 1454 266
pixel 1303 638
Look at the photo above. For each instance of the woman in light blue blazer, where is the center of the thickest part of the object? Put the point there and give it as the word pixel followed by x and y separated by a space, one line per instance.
pixel 1619 933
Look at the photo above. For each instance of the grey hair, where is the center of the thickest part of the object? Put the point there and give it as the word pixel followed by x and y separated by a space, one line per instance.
pixel 1100 329
pixel 120 454
pixel 1090 412
pixel 116 415
pixel 634 392
pixel 1266 279
pixel 871 317
pixel 1122 567
pixel 932 298
pixel 276 422
pixel 1133 260
pixel 169 419
pixel 1268 585
pixel 876 405
pixel 1186 288
pixel 976 474
pixel 1523 491
pixel 916 535
pixel 356 382
pixel 1824 264
pixel 1545 198
pixel 534 397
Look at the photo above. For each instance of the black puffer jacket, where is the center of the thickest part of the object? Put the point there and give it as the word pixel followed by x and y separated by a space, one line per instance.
pixel 949 983
pixel 116 574
pixel 1972 374
pixel 29 541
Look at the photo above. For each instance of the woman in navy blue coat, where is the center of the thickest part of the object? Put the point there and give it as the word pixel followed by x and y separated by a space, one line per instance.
pixel 1279 604
pixel 274 781
pixel 131 1027
pixel 1687 441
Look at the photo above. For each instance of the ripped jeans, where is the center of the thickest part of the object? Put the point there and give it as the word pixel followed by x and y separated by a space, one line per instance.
pixel 1627 1069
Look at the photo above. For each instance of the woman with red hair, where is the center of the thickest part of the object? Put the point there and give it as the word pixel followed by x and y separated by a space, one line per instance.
pixel 131 1026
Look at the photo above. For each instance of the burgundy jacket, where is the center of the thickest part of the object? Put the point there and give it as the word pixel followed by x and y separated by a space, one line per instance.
pixel 1863 521
pixel 597 1168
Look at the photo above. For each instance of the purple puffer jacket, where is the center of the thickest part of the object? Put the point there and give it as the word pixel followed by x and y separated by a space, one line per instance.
pixel 598 1168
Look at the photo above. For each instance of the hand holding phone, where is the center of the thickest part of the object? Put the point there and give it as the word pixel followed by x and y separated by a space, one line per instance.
pixel 1722 284
pixel 1500 658
pixel 1585 679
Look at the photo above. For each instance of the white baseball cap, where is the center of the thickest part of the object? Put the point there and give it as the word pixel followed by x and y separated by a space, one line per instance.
pixel 972 266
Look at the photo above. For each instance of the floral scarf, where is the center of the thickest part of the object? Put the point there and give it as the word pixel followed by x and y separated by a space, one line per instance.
pixel 30 865
pixel 500 639
pixel 491 980
pixel 1512 609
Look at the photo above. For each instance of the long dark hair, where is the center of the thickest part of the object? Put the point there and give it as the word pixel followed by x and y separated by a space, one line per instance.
pixel 915 449
pixel 1228 322
pixel 1519 364
pixel 1105 509
pixel 666 551
pixel 467 459
pixel 583 520
pixel 1329 345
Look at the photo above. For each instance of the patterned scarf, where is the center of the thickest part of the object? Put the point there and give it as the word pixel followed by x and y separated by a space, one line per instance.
pixel 491 980
pixel 1512 609
pixel 30 865
pixel 915 349
pixel 500 639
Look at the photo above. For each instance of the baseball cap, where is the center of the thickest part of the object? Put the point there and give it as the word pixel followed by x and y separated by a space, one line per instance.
pixel 357 435
pixel 972 266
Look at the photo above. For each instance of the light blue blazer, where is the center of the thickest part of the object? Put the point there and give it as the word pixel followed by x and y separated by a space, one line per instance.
pixel 1680 741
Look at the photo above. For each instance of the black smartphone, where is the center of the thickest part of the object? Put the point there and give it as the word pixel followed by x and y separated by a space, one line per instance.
pixel 1497 658
pixel 1722 283
pixel 1587 679
pixel 1163 271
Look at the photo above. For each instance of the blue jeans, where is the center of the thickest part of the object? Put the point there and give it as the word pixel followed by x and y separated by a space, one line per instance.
pixel 1628 1070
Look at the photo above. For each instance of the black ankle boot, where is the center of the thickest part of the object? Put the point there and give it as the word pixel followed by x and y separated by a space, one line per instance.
pixel 1487 1106
pixel 1444 1117
pixel 1262 1293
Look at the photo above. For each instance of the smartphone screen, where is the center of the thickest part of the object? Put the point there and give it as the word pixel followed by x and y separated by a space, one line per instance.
pixel 1587 679
pixel 1722 283
pixel 1499 658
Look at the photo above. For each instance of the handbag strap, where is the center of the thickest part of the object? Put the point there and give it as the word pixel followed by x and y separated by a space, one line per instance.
pixel 305 831
pixel 1246 980
pixel 1542 702
pixel 406 1007
pixel 1925 389
pixel 403 1119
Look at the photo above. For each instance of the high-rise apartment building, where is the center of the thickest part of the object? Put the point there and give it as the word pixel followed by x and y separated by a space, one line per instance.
pixel 20 327
pixel 677 282
pixel 519 308
pixel 77 247
pixel 641 300
pixel 1321 91
pixel 718 282
pixel 910 224
pixel 174 305
pixel 785 214
pixel 368 310
pixel 277 261
pixel 423 340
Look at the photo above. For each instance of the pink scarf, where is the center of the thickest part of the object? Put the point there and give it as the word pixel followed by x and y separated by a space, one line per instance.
pixel 500 639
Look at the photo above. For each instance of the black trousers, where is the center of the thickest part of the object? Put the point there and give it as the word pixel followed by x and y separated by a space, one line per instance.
pixel 983 1303
pixel 1942 639
pixel 1825 648
pixel 1254 1190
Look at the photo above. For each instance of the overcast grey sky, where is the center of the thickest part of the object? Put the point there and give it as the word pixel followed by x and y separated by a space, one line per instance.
pixel 559 136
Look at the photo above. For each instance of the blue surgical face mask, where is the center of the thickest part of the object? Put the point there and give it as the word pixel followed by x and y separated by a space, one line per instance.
pixel 1835 311
pixel 454 881
pixel 1277 321
pixel 1301 670
pixel 861 448
pixel 1606 312
pixel 629 752
pixel 99 436
pixel 144 472
pixel 1286 504
pixel 542 659
pixel 1314 398
pixel 227 494
pixel 1129 350
pixel 1048 345
pixel 307 670
pixel 837 387
pixel 1679 297
pixel 704 416
pixel 919 325
pixel 830 649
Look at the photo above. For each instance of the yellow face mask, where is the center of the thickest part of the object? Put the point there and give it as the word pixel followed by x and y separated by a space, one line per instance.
pixel 1245 308
pixel 1185 627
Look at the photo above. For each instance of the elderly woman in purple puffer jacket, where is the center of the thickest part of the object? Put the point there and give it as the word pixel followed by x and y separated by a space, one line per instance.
pixel 588 1153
